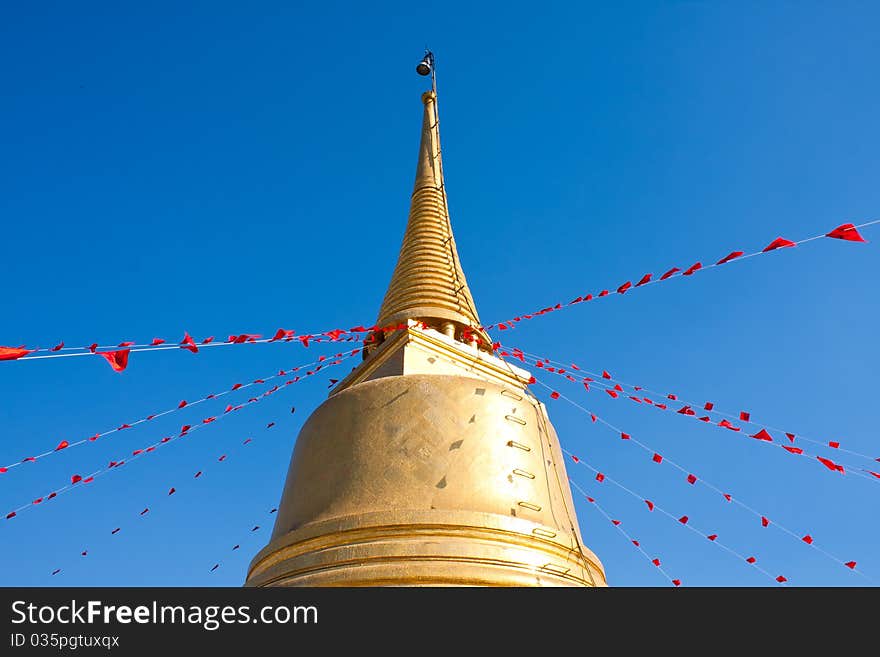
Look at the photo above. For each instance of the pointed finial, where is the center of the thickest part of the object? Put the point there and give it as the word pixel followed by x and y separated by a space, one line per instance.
pixel 428 283
pixel 426 67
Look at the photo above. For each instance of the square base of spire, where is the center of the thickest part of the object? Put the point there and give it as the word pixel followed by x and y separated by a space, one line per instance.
pixel 420 350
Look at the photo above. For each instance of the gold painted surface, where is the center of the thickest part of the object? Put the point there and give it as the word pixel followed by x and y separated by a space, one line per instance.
pixel 428 282
pixel 424 480
pixel 429 464
pixel 413 549
pixel 425 351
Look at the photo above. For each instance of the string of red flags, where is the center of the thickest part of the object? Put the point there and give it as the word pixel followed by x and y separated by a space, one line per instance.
pixel 693 479
pixel 117 356
pixel 762 436
pixel 654 561
pixel 186 430
pixel 828 463
pixel 684 520
pixel 140 511
pixel 705 412
pixel 847 232
pixel 311 368
pixel 237 546
pixel 701 411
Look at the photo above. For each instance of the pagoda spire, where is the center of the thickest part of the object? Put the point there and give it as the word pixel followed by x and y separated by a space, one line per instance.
pixel 428 283
pixel 429 464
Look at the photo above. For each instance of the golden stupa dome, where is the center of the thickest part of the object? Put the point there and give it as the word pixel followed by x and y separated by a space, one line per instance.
pixel 431 464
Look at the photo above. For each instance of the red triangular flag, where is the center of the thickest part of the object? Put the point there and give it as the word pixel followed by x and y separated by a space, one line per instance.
pixel 691 479
pixel 690 270
pixel 778 243
pixel 846 232
pixel 657 458
pixel 650 505
pixel 14 353
pixel 118 359
pixel 763 435
pixel 669 273
pixel 683 520
pixel 831 465
pixel 62 445
pixel 765 521
pixel 623 288
pixel 188 343
pixel 730 256
pixel 644 279
pixel 850 564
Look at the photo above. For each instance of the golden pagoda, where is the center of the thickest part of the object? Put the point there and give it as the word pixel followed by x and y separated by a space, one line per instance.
pixel 430 464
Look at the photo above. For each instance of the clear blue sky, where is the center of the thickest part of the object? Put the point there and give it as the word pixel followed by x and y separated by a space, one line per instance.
pixel 222 170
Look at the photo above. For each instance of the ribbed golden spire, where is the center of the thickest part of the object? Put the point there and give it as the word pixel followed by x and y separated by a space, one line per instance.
pixel 428 283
